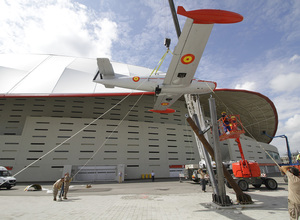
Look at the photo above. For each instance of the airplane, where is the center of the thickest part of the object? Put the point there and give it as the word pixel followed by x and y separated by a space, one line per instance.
pixel 179 78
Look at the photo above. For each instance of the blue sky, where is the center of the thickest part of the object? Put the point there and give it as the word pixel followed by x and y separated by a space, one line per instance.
pixel 261 53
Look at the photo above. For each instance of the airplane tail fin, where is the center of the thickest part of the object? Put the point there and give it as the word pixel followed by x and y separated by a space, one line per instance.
pixel 106 70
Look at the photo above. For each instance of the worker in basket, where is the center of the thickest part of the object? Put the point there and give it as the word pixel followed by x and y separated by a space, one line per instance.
pixel 233 123
pixel 226 122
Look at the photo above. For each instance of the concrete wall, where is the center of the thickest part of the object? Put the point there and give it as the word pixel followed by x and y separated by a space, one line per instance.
pixel 143 141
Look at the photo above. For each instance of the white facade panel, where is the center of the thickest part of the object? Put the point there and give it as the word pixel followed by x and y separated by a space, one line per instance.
pixel 120 68
pixel 71 79
pixel 44 77
pixel 24 62
pixel 139 71
pixel 14 75
pixel 49 74
pixel 96 173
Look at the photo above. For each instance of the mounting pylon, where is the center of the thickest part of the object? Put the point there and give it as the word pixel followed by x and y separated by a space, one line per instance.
pixel 196 113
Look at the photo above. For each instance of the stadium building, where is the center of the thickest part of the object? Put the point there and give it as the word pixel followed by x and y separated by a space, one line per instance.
pixel 54 119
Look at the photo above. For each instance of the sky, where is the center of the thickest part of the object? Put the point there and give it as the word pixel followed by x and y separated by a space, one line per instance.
pixel 261 53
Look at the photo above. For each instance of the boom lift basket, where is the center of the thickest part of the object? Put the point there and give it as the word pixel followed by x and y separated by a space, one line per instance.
pixel 230 128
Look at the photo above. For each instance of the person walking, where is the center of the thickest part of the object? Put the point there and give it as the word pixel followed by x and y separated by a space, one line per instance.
pixel 293 191
pixel 61 193
pixel 202 180
pixel 66 185
pixel 120 177
pixel 152 175
pixel 56 186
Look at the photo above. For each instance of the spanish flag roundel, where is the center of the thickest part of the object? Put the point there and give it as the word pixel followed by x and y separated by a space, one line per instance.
pixel 164 103
pixel 187 59
pixel 136 79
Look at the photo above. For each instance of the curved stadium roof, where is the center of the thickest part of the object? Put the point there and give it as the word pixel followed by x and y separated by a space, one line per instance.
pixel 49 75
pixel 257 112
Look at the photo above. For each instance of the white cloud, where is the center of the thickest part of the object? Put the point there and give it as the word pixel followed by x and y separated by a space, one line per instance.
pixel 287 106
pixel 294 58
pixel 293 123
pixel 285 82
pixel 55 27
pixel 291 130
pixel 247 86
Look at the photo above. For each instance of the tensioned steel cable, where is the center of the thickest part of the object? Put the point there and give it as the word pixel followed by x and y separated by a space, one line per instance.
pixel 26 167
pixel 109 136
pixel 259 144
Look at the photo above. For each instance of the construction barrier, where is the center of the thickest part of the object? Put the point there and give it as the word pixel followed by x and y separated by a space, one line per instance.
pixel 146 176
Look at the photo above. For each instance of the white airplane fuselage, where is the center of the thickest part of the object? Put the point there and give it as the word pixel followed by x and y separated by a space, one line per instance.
pixel 155 83
pixel 179 78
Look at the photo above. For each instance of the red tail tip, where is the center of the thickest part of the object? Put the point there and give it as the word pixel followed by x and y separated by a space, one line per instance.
pixel 181 10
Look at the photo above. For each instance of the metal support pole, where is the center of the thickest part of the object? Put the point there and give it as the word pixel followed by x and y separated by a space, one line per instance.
pixel 207 160
pixel 175 18
pixel 196 113
pixel 221 198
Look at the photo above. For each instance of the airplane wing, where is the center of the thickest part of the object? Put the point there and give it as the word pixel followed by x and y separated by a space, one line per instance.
pixel 187 53
pixel 189 50
pixel 185 60
pixel 164 101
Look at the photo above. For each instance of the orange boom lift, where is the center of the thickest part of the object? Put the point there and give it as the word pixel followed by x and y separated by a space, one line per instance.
pixel 245 172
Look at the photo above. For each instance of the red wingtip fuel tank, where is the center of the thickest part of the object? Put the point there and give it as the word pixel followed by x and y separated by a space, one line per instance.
pixel 211 16
pixel 167 111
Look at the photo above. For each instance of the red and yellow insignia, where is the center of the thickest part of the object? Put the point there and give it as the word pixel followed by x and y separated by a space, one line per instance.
pixel 164 103
pixel 187 59
pixel 136 79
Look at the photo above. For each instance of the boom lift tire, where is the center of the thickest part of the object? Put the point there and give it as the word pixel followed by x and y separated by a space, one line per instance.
pixel 271 184
pixel 243 184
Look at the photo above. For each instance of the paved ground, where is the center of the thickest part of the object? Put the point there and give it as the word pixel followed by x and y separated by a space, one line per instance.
pixel 140 200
